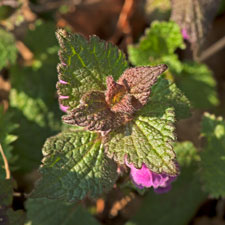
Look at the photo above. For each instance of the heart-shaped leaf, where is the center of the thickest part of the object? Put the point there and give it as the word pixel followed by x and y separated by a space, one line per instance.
pixel 74 166
pixel 85 65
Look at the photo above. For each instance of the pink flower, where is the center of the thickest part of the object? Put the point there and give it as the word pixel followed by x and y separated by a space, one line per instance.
pixel 63 97
pixel 144 177
pixel 63 108
pixel 63 82
pixel 185 34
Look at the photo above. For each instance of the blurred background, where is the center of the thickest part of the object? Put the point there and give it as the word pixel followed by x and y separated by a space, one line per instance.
pixel 28 99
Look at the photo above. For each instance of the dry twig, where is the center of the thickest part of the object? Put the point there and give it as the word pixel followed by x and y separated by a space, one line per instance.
pixel 214 48
pixel 123 25
pixel 7 171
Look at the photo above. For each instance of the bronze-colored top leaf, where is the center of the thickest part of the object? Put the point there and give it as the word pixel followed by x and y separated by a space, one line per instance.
pixel 139 80
pixel 104 111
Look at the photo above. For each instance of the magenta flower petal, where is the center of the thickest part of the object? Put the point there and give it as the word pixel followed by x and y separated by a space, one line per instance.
pixel 63 82
pixel 63 108
pixel 185 34
pixel 144 177
pixel 63 97
pixel 64 64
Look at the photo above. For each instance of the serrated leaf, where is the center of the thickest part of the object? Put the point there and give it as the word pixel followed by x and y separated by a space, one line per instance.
pixel 33 98
pixel 85 65
pixel 55 212
pixel 195 17
pixel 146 140
pixel 74 166
pixel 8 50
pixel 7 214
pixel 140 80
pixel 177 206
pixel 166 94
pixel 213 155
pixel 197 83
pixel 162 39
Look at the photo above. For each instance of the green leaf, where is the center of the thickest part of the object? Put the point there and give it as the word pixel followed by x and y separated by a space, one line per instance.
pixel 198 84
pixel 85 64
pixel 162 39
pixel 166 94
pixel 6 139
pixel 74 166
pixel 177 206
pixel 149 138
pixel 55 212
pixel 8 50
pixel 213 155
pixel 186 153
pixel 146 140
pixel 33 98
pixel 7 215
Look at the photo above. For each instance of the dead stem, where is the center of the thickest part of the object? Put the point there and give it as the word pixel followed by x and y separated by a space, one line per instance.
pixel 7 171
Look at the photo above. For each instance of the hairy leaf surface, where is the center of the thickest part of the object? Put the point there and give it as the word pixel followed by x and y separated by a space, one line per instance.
pixel 75 166
pixel 85 65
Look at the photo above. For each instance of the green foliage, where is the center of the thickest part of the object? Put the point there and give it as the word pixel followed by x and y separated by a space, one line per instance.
pixel 161 40
pixel 213 155
pixel 75 166
pixel 198 84
pixel 85 65
pixel 6 138
pixel 8 50
pixel 7 215
pixel 186 153
pixel 158 46
pixel 55 212
pixel 33 98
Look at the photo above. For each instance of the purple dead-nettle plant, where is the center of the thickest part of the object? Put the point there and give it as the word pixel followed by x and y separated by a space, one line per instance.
pixel 116 106
pixel 119 116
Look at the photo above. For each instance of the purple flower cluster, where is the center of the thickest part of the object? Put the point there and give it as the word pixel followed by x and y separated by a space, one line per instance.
pixel 144 177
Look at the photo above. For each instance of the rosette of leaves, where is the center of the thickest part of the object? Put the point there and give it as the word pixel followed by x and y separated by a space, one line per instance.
pixel 126 114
